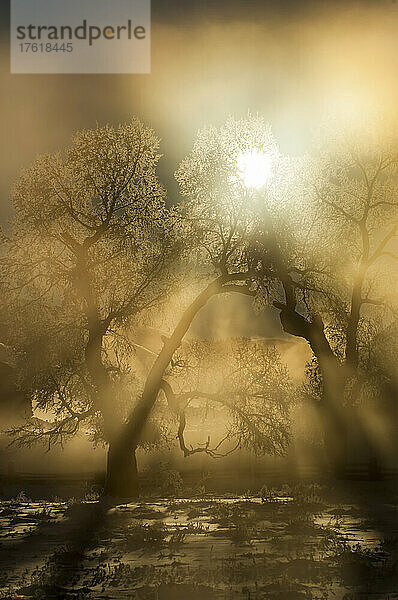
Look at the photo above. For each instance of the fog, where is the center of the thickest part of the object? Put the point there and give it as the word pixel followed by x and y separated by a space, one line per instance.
pixel 292 62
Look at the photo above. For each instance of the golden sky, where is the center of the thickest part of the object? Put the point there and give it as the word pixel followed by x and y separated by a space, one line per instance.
pixel 292 62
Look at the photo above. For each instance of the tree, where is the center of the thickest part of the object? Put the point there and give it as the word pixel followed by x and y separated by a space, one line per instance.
pixel 342 301
pixel 288 238
pixel 245 390
pixel 213 224
pixel 91 247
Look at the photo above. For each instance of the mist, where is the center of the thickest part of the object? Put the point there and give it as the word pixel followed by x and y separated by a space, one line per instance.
pixel 198 324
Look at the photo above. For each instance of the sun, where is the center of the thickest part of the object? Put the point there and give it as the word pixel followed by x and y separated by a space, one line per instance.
pixel 255 168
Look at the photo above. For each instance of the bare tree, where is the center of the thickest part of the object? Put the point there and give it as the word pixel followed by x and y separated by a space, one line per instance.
pixel 215 226
pixel 316 240
pixel 91 247
pixel 338 292
pixel 243 389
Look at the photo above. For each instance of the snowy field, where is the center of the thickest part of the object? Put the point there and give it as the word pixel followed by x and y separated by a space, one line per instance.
pixel 291 542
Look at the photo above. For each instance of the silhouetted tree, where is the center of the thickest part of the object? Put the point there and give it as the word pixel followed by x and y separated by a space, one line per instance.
pixel 241 386
pixel 92 251
pixel 91 247
pixel 337 290
pixel 316 241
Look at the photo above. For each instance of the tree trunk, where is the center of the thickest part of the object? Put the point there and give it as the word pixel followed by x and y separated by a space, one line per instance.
pixel 122 478
pixel 335 418
pixel 333 379
pixel 132 430
pixel 122 474
pixel 335 441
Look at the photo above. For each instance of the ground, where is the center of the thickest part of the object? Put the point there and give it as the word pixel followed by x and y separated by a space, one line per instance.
pixel 289 541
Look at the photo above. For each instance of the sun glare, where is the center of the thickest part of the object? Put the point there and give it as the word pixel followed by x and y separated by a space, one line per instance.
pixel 255 168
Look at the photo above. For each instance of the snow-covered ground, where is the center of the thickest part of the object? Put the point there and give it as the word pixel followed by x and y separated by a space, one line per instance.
pixel 300 542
